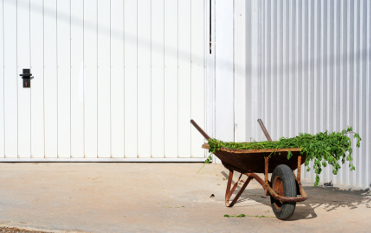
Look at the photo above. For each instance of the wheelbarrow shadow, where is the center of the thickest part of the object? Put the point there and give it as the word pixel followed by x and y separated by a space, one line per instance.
pixel 329 198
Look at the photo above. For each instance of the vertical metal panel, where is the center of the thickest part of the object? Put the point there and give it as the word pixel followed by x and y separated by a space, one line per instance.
pixel 240 68
pixel 314 74
pixel 64 78
pixel 37 68
pixel 197 79
pixel 367 64
pixel 77 79
pixel 91 77
pixel 210 69
pixel 50 79
pixel 157 86
pixel 2 133
pixel 253 69
pixel 171 78
pixel 23 55
pixel 117 79
pixel 144 78
pixel 184 72
pixel 10 84
pixel 224 79
pixel 104 79
pixel 131 72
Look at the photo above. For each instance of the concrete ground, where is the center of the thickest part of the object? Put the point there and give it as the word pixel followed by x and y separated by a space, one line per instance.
pixel 161 197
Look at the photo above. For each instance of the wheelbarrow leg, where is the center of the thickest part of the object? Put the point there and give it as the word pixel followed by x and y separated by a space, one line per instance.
pixel 230 191
pixel 299 170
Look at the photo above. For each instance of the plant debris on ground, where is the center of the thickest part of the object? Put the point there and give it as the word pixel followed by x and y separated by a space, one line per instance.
pixel 246 215
pixel 322 148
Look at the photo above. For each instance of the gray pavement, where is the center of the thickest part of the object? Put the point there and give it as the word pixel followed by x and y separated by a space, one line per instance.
pixel 161 197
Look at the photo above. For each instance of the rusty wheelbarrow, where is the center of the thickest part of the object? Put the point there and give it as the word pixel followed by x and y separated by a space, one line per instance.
pixel 284 185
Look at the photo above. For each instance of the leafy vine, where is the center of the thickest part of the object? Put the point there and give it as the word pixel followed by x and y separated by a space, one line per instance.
pixel 322 148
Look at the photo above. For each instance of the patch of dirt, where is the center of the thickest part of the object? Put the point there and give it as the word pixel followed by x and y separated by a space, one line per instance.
pixel 17 230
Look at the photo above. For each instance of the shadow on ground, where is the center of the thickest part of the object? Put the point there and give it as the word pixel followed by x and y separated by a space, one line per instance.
pixel 328 198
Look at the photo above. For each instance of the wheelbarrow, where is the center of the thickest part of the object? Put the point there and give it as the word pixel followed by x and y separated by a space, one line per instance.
pixel 284 185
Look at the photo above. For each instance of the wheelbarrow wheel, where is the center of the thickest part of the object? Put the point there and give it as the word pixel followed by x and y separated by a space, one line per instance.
pixel 283 183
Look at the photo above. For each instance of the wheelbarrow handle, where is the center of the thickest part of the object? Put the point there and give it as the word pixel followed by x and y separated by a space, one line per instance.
pixel 265 131
pixel 207 137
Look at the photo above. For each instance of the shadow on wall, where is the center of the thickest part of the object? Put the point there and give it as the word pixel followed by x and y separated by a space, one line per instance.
pixel 114 34
pixel 330 60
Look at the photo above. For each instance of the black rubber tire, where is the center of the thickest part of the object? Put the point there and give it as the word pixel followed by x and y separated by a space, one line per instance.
pixel 284 184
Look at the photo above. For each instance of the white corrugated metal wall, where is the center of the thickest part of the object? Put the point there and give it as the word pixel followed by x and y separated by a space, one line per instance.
pixel 307 70
pixel 104 69
pixel 113 79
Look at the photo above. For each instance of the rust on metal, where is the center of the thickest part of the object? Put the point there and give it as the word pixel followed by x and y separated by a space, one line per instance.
pixel 301 189
pixel 249 162
pixel 266 165
pixel 264 130
pixel 255 162
pixel 205 146
pixel 275 195
pixel 207 137
pixel 250 151
pixel 229 192
pixel 277 186
pixel 278 196
pixel 299 169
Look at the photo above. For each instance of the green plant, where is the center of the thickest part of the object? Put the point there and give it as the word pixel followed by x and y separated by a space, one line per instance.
pixel 246 215
pixel 322 148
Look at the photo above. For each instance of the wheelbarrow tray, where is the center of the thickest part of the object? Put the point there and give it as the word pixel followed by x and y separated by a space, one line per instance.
pixel 253 160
